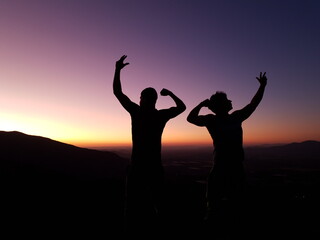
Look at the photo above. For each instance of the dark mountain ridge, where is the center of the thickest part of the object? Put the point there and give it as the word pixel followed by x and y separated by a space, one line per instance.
pixel 304 155
pixel 20 151
pixel 26 157
pixel 49 187
pixel 310 149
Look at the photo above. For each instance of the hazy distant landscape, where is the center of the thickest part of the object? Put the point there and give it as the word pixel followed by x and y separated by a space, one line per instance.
pixel 48 186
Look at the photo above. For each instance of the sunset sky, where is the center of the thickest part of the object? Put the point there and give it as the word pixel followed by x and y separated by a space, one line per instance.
pixel 57 61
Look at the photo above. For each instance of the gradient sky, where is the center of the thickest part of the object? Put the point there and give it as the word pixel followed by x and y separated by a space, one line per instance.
pixel 57 63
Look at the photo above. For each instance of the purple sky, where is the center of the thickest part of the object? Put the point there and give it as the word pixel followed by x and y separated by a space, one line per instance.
pixel 57 62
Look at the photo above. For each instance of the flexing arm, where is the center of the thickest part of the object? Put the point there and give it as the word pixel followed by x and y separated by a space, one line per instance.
pixel 194 117
pixel 180 106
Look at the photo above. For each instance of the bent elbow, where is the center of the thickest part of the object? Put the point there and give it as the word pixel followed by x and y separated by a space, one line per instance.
pixel 183 108
pixel 190 119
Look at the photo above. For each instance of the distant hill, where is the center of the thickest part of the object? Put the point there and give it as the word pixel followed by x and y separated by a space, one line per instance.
pixel 49 187
pixel 298 154
pixel 25 156
pixel 198 159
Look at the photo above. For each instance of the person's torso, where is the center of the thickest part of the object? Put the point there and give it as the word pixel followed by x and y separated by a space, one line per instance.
pixel 147 129
pixel 227 135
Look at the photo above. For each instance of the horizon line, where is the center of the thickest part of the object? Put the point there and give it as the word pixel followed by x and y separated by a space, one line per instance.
pixel 127 144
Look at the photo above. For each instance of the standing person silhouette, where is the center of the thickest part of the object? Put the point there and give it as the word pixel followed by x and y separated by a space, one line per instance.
pixel 145 176
pixel 226 180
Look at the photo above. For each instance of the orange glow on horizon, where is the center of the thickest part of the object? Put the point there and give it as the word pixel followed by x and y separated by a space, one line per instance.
pixel 102 135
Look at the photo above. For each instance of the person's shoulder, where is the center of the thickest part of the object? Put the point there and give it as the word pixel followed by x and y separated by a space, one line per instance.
pixel 168 113
pixel 235 112
pixel 238 113
pixel 209 116
pixel 207 120
pixel 164 110
pixel 134 108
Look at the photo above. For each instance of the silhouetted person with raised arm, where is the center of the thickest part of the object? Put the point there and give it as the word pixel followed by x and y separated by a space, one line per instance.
pixel 226 180
pixel 145 176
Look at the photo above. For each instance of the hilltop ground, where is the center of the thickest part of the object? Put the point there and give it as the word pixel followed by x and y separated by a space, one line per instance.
pixel 52 189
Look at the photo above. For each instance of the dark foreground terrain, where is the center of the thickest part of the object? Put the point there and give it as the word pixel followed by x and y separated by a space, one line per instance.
pixel 52 189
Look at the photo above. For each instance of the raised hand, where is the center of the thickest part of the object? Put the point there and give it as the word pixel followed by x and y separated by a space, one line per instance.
pixel 120 64
pixel 262 79
pixel 165 92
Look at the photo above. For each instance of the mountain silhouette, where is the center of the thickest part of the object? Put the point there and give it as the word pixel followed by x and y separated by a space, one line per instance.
pixel 306 149
pixel 295 155
pixel 22 154
pixel 49 187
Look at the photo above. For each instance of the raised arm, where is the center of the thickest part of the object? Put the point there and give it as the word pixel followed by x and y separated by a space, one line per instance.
pixel 117 89
pixel 251 107
pixel 180 106
pixel 194 117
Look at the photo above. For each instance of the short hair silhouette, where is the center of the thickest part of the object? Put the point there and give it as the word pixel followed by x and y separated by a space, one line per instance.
pixel 148 96
pixel 219 102
pixel 145 174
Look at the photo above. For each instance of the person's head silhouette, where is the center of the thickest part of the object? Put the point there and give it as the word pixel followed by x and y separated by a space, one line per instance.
pixel 148 98
pixel 219 103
